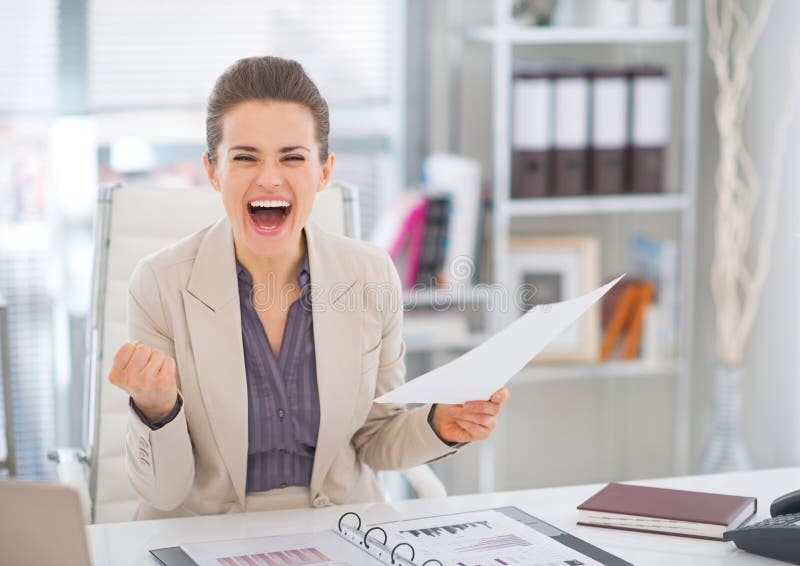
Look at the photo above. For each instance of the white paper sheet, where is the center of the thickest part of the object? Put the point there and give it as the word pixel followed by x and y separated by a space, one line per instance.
pixel 287 550
pixel 486 368
pixel 482 537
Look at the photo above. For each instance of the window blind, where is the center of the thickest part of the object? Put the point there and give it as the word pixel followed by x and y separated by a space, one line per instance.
pixel 28 55
pixel 152 53
pixel 25 270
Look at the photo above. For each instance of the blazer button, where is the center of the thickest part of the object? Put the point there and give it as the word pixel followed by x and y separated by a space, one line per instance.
pixel 281 413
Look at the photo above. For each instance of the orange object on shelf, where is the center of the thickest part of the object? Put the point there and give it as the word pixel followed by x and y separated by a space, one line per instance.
pixel 630 348
pixel 620 319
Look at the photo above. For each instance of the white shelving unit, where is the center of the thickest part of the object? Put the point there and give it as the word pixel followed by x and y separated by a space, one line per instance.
pixel 502 38
pixel 579 206
pixel 610 370
pixel 527 35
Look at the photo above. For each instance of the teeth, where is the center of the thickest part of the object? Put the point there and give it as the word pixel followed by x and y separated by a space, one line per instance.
pixel 269 204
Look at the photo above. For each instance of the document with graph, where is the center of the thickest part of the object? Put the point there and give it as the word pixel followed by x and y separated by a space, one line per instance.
pixel 495 537
pixel 324 547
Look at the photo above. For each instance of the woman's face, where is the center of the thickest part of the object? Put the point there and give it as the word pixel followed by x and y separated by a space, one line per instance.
pixel 268 172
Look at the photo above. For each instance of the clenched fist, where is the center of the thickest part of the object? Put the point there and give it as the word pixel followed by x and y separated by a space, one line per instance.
pixel 148 375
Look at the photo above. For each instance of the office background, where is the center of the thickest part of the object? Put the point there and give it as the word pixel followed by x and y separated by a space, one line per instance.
pixel 100 91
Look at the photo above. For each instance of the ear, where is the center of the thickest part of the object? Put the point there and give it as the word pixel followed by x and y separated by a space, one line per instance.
pixel 211 172
pixel 327 169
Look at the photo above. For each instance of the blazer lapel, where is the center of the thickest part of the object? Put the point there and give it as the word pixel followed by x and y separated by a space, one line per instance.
pixel 211 302
pixel 337 317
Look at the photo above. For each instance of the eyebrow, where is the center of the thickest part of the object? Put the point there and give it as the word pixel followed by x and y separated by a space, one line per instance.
pixel 252 149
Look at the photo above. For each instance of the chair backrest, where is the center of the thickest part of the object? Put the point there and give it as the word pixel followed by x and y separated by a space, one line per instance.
pixel 9 462
pixel 42 524
pixel 131 223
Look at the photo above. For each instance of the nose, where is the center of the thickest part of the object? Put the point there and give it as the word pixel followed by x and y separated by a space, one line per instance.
pixel 270 175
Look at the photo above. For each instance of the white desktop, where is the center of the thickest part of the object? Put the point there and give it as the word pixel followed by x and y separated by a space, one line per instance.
pixel 129 543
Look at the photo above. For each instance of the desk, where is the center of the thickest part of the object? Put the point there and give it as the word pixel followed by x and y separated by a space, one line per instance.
pixel 127 543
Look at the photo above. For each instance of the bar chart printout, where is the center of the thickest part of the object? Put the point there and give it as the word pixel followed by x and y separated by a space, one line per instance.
pixel 294 557
pixel 308 549
pixel 483 538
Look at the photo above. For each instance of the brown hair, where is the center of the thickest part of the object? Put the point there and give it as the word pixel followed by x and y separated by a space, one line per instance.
pixel 264 78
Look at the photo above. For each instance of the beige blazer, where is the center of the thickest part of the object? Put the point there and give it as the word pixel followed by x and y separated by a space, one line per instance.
pixel 184 300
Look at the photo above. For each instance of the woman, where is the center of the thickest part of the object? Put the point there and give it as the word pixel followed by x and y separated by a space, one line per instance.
pixel 261 341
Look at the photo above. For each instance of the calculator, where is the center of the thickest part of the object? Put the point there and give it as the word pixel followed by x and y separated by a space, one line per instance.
pixel 777 537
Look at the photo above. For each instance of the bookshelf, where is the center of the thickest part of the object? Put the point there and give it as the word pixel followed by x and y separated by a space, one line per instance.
pixel 609 370
pixel 676 206
pixel 529 35
pixel 614 204
pixel 455 346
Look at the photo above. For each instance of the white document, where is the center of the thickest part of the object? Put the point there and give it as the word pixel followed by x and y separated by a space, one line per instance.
pixel 482 537
pixel 324 547
pixel 486 368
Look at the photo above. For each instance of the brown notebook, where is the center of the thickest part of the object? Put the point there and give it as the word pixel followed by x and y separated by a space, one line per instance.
pixel 666 511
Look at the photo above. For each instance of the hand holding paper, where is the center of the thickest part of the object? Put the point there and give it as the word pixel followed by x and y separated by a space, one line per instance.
pixel 470 421
pixel 486 368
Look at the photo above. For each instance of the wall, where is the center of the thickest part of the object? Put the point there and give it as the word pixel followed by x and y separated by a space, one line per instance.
pixel 772 429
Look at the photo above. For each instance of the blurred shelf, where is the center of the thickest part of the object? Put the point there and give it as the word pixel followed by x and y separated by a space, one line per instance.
pixel 531 35
pixel 442 297
pixel 541 373
pixel 590 205
pixel 419 344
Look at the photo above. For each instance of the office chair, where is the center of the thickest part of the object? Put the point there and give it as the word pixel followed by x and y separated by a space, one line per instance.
pixel 131 223
pixel 9 463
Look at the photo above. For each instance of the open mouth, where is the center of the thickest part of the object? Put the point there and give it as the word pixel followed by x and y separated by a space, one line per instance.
pixel 269 215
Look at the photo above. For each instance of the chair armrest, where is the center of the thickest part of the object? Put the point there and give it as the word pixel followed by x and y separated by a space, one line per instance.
pixel 424 482
pixel 72 468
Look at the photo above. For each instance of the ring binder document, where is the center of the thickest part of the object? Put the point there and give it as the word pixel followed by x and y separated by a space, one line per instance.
pixel 495 537
pixel 377 549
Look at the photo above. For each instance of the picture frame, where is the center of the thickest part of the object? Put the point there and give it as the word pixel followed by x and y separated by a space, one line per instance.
pixel 549 269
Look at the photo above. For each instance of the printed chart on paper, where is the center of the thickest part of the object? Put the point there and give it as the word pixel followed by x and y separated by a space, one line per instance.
pixel 483 538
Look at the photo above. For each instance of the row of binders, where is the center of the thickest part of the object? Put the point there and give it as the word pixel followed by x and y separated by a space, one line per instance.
pixel 434 233
pixel 419 244
pixel 581 130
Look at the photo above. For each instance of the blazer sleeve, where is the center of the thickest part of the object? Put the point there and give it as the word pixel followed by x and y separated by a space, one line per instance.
pixel 394 438
pixel 160 463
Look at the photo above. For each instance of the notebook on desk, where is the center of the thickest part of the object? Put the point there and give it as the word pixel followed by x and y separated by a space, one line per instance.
pixel 666 511
pixel 503 536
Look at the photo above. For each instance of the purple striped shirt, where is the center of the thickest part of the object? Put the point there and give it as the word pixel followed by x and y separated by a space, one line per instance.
pixel 282 395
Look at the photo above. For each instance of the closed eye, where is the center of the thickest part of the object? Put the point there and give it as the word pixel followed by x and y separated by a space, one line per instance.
pixel 294 158
pixel 244 158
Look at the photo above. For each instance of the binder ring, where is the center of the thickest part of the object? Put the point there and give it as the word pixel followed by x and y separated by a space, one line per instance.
pixel 431 561
pixel 403 544
pixel 345 515
pixel 385 537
